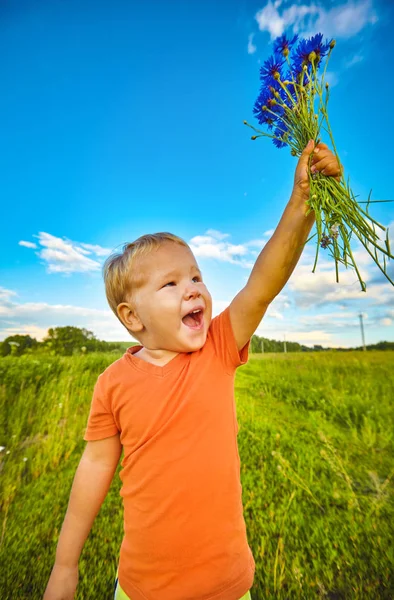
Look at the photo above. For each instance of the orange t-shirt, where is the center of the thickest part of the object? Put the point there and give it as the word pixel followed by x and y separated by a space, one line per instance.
pixel 184 530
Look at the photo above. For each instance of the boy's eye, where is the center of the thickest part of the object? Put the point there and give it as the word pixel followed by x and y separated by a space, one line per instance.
pixel 173 282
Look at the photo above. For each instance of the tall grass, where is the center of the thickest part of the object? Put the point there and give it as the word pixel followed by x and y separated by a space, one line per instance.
pixel 316 443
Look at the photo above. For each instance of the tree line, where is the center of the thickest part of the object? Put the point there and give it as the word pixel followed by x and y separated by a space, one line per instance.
pixel 66 341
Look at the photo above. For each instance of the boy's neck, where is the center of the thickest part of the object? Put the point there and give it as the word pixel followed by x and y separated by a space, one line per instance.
pixel 156 357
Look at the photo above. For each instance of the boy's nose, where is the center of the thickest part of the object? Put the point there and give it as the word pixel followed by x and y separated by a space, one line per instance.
pixel 192 291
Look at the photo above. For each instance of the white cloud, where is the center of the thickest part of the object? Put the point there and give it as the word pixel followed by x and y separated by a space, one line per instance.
pixel 217 234
pixel 211 245
pixel 386 322
pixel 345 20
pixel 317 336
pixel 98 250
pixel 333 319
pixel 269 232
pixel 251 47
pixel 274 314
pixel 291 333
pixel 258 243
pixel 320 288
pixel 268 19
pixel 357 58
pixel 27 244
pixel 5 294
pixel 35 318
pixel 64 256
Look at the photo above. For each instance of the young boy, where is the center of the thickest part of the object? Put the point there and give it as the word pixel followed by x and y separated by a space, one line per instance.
pixel 169 403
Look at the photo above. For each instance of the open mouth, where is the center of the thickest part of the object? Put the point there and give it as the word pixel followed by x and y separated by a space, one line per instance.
pixel 194 319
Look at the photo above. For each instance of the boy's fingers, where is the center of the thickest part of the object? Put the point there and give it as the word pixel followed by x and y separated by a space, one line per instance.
pixel 328 165
pixel 322 163
pixel 320 147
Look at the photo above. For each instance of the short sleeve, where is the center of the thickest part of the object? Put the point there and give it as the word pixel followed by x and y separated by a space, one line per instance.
pixel 225 344
pixel 101 422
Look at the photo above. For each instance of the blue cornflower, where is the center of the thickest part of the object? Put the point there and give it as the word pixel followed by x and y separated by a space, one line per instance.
pixel 263 116
pixel 271 69
pixel 282 45
pixel 287 81
pixel 301 57
pixel 320 49
pixel 308 51
pixel 266 100
pixel 281 132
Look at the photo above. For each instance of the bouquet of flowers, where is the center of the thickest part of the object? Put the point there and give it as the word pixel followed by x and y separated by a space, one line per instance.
pixel 293 105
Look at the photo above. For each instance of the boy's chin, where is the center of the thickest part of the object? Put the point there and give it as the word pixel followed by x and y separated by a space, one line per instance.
pixel 194 345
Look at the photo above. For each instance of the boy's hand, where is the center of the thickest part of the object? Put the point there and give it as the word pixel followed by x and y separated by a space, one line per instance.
pixel 323 160
pixel 62 583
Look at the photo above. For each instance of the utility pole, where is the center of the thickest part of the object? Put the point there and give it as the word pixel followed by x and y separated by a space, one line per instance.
pixel 262 345
pixel 284 344
pixel 362 331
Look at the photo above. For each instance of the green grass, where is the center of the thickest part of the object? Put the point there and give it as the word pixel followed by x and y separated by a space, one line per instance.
pixel 316 444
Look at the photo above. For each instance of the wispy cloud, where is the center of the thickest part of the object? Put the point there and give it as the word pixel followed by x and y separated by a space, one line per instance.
pixel 64 256
pixel 212 245
pixel 313 290
pixel 27 244
pixel 269 232
pixel 98 250
pixel 251 47
pixel 357 58
pixel 343 21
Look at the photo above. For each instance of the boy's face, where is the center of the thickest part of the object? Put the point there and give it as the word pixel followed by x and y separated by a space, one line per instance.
pixel 171 288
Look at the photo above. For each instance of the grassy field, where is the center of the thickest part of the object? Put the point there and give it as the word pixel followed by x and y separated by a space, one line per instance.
pixel 316 444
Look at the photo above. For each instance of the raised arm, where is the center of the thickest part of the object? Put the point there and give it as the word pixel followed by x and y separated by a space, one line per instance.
pixel 280 255
pixel 90 487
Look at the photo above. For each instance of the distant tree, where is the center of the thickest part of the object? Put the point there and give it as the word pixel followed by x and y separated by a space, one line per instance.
pixel 17 345
pixel 72 340
pixel 65 340
pixel 257 344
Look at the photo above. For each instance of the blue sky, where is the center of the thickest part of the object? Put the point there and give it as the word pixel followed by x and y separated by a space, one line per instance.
pixel 123 118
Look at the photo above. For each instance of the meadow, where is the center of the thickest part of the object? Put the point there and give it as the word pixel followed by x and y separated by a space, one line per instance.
pixel 316 443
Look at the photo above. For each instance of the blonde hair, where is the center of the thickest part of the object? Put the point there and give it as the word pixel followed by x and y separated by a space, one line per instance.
pixel 119 278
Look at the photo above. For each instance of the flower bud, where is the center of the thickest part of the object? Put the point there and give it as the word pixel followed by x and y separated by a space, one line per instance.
pixel 314 197
pixel 327 86
pixel 332 44
pixel 277 75
pixel 305 68
pixel 312 56
pixel 293 152
pixel 245 122
pixel 264 108
pixel 253 137
pixel 285 51
pixel 276 94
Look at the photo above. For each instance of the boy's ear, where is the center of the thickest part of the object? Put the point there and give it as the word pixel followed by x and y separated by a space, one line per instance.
pixel 129 317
